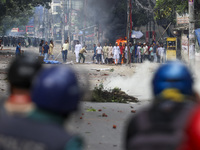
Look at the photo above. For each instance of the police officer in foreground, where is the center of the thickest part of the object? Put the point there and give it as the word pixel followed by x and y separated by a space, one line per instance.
pixel 164 125
pixel 21 72
pixel 56 94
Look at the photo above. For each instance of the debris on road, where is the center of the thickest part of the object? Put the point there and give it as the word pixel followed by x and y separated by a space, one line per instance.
pixel 99 94
pixel 114 126
pixel 133 111
pixel 104 115
pixel 91 109
pixel 102 69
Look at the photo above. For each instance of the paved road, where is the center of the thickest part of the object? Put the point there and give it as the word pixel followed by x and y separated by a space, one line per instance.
pixel 98 131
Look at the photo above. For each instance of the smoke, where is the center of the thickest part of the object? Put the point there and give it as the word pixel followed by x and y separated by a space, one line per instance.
pixel 139 84
pixel 111 17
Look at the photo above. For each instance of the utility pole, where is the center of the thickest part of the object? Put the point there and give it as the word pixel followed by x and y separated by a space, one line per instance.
pixel 191 32
pixel 128 29
pixel 62 21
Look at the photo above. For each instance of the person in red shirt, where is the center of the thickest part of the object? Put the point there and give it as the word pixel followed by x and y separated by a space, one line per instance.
pixel 121 52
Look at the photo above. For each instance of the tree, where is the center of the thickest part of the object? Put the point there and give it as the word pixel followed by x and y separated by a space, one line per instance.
pixel 167 9
pixel 17 12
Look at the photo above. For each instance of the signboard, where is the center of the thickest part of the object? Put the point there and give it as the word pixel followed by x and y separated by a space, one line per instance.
pixel 171 54
pixel 182 19
pixel 15 30
pixel 171 48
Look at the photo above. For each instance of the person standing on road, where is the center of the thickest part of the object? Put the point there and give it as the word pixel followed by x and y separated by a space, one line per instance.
pixel 121 47
pixel 46 50
pixel 116 53
pixel 18 50
pixel 95 53
pixel 158 54
pixel 65 49
pixel 99 50
pixel 51 46
pixel 41 47
pixel 162 54
pixel 78 47
pixel 155 52
pixel 146 52
pixel 132 52
pixel 1 46
pixel 105 54
pixel 151 53
pixel 142 53
pixel 81 54
pixel 110 55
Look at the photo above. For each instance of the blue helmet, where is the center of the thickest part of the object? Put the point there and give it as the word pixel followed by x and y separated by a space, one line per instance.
pixel 174 75
pixel 56 89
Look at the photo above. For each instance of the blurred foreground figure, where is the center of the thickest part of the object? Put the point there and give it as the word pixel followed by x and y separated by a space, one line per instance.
pixel 56 94
pixel 167 124
pixel 20 75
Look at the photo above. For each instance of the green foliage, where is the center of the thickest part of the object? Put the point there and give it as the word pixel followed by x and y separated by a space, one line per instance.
pixel 17 12
pixel 99 94
pixel 166 9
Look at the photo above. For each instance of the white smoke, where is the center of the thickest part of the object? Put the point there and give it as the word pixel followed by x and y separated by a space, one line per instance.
pixel 139 84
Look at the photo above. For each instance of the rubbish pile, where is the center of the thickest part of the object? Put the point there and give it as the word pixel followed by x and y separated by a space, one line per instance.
pixel 99 94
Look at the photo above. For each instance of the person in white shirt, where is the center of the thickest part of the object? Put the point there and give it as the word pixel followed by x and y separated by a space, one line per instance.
pixel 116 52
pixel 159 54
pixel 65 49
pixel 162 54
pixel 99 50
pixel 78 47
pixel 105 54
pixel 146 52
pixel 138 53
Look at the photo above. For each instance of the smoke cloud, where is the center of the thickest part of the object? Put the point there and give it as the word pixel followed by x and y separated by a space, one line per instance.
pixel 138 85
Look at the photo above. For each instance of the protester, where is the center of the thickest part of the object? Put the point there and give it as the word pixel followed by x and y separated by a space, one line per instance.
pixel 142 53
pixel 158 53
pixel 155 51
pixel 95 53
pixel 162 54
pixel 46 50
pixel 110 55
pixel 124 53
pixel 65 49
pixel 1 46
pixel 136 50
pixel 51 46
pixel 18 50
pixel 99 53
pixel 105 54
pixel 164 124
pixel 78 47
pixel 132 53
pixel 146 52
pixel 81 55
pixel 41 47
pixel 151 53
pixel 120 54
pixel 116 53
pixel 21 73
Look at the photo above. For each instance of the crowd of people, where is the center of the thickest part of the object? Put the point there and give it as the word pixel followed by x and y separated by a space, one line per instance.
pixel 118 54
pixel 107 54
